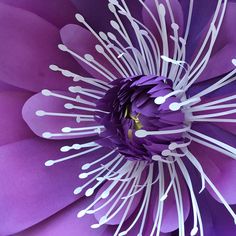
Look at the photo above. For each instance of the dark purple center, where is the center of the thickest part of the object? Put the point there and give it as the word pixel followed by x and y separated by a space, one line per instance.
pixel 130 107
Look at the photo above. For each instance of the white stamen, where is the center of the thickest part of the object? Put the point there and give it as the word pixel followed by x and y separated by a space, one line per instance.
pixel 52 162
pixel 143 133
pixel 176 106
pixel 160 100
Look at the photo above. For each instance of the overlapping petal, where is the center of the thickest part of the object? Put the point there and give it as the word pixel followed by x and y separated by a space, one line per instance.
pixel 31 191
pixel 28 46
pixel 12 126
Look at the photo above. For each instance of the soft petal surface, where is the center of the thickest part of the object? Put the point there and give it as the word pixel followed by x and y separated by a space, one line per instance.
pixel 201 16
pixel 219 168
pixel 99 10
pixel 65 222
pixel 82 42
pixel 216 219
pixel 224 47
pixel 54 123
pixel 116 202
pixel 7 87
pixel 30 191
pixel 59 13
pixel 28 45
pixel 13 128
pixel 176 11
pixel 170 214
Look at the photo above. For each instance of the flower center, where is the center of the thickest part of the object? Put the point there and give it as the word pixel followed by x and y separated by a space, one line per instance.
pixel 142 117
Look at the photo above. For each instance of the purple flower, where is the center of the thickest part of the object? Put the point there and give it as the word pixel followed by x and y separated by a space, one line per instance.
pixel 135 121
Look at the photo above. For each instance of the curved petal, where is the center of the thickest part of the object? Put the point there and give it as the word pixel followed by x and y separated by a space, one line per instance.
pixel 30 191
pixel 99 10
pixel 224 56
pixel 48 10
pixel 82 42
pixel 224 49
pixel 176 12
pixel 7 87
pixel 224 92
pixel 218 167
pixel 117 203
pixel 12 126
pixel 28 45
pixel 216 219
pixel 201 16
pixel 65 222
pixel 170 219
pixel 61 117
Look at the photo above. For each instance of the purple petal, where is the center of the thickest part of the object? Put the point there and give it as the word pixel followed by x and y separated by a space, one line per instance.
pixel 178 17
pixel 116 203
pixel 82 42
pixel 59 13
pixel 30 191
pixel 170 218
pixel 28 45
pixel 12 126
pixel 224 47
pixel 99 10
pixel 219 168
pixel 65 222
pixel 53 124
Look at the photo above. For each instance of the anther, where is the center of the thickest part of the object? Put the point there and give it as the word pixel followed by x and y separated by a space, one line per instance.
pixel 80 18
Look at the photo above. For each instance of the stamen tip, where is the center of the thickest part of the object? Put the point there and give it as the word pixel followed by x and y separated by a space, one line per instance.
pixel 46 92
pixel 160 100
pixel 53 67
pixel 141 133
pixel 105 194
pixel 83 176
pixel 234 62
pixel 194 231
pixel 69 106
pixel 174 106
pixel 65 149
pixel 111 7
pixel 62 47
pixel 89 57
pixel 81 213
pixel 49 163
pixel 66 130
pixel 95 226
pixel 163 198
pixel 99 48
pixel 86 166
pixel 79 18
pixel 89 192
pixel 102 220
pixel 40 113
pixel 47 135
pixel 114 24
pixel 77 190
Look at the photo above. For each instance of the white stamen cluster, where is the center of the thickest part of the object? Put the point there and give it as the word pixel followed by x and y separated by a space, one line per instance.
pixel 130 178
